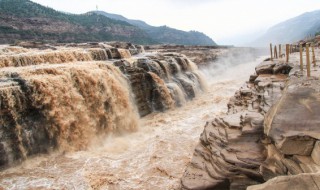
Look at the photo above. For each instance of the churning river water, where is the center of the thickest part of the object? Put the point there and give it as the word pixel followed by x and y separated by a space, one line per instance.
pixel 154 157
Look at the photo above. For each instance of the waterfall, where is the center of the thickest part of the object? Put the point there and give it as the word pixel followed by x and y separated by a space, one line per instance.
pixel 9 57
pixel 177 94
pixel 62 106
pixel 64 98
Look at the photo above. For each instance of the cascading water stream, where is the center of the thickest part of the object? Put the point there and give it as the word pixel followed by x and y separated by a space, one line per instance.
pixel 81 100
pixel 63 106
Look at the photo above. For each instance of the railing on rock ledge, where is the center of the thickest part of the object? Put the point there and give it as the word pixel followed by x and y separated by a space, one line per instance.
pixel 292 48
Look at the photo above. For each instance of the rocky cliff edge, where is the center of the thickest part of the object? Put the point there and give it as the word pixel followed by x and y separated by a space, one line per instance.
pixel 270 132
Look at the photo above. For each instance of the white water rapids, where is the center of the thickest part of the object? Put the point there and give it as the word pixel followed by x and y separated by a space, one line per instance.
pixel 152 158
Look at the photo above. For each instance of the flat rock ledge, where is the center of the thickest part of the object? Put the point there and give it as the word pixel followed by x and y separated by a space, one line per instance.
pixel 271 129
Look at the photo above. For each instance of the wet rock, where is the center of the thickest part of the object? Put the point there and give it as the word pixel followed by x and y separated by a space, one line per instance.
pixel 118 53
pixel 141 84
pixel 188 86
pixel 132 48
pixel 158 82
pixel 98 54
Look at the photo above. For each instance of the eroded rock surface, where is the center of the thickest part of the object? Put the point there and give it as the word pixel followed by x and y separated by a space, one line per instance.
pixel 292 125
pixel 280 114
pixel 231 148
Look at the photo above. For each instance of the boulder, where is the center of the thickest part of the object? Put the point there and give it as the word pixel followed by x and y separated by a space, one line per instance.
pixel 293 122
pixel 281 68
pixel 265 67
pixel 273 67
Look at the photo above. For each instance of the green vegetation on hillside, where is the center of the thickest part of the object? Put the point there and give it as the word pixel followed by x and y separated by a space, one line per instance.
pixel 169 35
pixel 25 20
pixel 164 34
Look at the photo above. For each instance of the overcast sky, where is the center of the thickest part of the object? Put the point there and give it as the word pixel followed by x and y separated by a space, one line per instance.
pixel 225 21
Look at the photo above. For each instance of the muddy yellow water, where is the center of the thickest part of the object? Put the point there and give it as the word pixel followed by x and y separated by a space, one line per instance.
pixel 154 157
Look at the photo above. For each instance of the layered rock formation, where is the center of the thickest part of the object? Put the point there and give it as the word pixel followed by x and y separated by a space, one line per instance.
pixel 292 128
pixel 268 131
pixel 61 97
pixel 230 151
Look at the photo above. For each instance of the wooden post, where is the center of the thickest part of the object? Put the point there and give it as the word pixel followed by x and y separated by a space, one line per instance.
pixel 287 52
pixel 289 48
pixel 271 58
pixel 301 58
pixel 308 60
pixel 275 52
pixel 280 51
pixel 313 56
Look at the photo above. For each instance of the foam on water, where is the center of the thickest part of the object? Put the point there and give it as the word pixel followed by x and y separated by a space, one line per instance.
pixel 152 158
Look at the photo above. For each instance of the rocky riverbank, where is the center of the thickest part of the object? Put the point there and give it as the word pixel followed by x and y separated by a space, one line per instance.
pixel 270 130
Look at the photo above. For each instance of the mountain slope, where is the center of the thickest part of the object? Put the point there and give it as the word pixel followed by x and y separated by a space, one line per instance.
pixel 26 20
pixel 138 23
pixel 292 30
pixel 164 34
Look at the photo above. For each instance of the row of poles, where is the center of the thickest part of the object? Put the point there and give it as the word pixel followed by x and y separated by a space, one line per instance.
pixel 275 54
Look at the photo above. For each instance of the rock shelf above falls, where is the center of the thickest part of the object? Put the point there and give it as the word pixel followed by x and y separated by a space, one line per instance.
pixel 271 129
pixel 60 97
